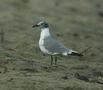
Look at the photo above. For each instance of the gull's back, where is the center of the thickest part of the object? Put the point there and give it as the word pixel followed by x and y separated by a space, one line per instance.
pixel 53 46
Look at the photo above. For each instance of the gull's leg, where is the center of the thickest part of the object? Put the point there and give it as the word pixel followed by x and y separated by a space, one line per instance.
pixel 55 60
pixel 51 60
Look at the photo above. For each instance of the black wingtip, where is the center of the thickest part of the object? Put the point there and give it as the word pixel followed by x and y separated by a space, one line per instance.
pixel 76 54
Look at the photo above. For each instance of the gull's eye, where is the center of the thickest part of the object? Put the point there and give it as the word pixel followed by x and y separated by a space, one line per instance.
pixel 45 24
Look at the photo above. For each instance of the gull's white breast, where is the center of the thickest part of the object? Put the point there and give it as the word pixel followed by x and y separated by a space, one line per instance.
pixel 44 33
pixel 42 47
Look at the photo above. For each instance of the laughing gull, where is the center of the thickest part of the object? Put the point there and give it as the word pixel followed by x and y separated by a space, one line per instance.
pixel 48 45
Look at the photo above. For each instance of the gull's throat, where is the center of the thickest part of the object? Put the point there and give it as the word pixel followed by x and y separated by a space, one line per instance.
pixel 44 33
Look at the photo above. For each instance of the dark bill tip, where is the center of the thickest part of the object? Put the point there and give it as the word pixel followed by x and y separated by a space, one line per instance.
pixel 35 26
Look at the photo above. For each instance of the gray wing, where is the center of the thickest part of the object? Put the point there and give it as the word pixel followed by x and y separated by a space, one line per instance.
pixel 54 46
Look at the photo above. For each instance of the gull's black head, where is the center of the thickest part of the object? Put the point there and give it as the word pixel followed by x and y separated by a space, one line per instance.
pixel 41 24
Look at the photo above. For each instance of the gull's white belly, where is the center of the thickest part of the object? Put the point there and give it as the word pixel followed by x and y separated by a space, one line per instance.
pixel 42 47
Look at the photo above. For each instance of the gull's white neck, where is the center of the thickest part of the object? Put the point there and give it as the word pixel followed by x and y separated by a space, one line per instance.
pixel 44 33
